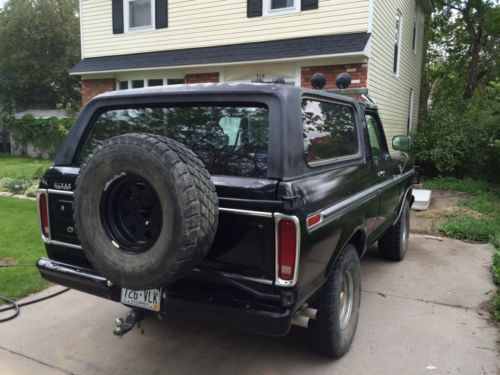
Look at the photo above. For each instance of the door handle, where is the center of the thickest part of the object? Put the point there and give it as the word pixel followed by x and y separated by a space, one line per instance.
pixel 381 173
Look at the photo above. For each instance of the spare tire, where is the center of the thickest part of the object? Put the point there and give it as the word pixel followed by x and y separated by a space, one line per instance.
pixel 145 210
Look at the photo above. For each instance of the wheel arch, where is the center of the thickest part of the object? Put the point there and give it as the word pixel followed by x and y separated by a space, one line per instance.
pixel 399 208
pixel 357 238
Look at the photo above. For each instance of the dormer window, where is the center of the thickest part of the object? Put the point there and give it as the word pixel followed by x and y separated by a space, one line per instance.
pixel 275 7
pixel 139 15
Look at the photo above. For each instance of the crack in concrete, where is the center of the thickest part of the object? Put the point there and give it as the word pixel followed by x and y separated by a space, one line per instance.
pixel 36 360
pixel 457 306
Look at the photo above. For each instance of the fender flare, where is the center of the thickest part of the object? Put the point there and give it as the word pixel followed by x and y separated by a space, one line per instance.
pixel 407 195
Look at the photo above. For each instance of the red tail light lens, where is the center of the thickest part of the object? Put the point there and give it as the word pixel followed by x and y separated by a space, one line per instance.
pixel 44 213
pixel 287 249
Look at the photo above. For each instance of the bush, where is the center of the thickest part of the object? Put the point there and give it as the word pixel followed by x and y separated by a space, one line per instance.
pixel 46 135
pixel 14 185
pixel 460 138
pixel 32 189
pixel 5 183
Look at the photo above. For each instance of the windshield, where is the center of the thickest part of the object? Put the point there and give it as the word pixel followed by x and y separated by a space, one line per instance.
pixel 230 139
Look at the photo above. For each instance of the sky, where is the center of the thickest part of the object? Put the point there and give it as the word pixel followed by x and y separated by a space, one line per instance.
pixel 2 2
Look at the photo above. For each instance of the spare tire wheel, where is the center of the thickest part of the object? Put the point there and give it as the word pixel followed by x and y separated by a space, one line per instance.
pixel 145 210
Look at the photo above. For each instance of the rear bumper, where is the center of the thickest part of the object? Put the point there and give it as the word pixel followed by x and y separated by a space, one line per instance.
pixel 197 306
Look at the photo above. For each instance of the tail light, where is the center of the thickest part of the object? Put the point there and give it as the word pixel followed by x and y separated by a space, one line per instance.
pixel 43 209
pixel 287 250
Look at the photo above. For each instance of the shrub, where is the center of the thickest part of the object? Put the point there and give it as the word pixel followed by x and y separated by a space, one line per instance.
pixel 14 185
pixel 45 134
pixel 460 138
pixel 5 183
pixel 32 189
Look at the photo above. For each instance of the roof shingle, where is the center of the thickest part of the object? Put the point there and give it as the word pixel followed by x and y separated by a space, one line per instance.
pixel 277 49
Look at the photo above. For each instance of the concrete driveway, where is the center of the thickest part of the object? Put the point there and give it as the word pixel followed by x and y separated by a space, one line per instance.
pixel 421 316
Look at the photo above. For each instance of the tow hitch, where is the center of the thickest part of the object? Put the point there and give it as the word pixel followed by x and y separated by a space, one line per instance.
pixel 123 326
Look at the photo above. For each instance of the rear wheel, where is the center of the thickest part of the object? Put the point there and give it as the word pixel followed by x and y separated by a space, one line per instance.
pixel 394 244
pixel 332 332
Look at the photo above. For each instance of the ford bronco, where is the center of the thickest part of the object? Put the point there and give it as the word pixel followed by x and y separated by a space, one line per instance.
pixel 245 205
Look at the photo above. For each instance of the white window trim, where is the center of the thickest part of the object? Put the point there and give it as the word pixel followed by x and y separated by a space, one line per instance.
pixel 267 11
pixel 410 110
pixel 400 33
pixel 415 30
pixel 145 80
pixel 126 18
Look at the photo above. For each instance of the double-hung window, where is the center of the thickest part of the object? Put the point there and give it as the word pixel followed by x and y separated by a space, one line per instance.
pixel 414 36
pixel 275 7
pixel 139 15
pixel 397 43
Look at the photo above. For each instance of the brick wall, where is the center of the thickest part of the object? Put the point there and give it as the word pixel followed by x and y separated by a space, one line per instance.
pixel 94 87
pixel 359 74
pixel 202 78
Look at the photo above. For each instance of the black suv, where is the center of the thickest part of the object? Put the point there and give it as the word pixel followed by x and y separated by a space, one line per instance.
pixel 247 205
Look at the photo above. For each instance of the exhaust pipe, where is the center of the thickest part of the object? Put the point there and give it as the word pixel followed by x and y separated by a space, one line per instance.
pixel 303 316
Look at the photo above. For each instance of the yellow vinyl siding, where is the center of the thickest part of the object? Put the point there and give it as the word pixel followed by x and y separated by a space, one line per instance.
pixel 392 92
pixel 198 23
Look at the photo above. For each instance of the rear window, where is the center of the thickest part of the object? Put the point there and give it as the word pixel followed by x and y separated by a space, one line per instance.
pixel 230 139
pixel 329 131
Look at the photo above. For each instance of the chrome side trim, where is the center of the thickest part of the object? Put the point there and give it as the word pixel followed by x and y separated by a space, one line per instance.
pixel 61 192
pixel 66 244
pixel 221 209
pixel 279 281
pixel 60 243
pixel 247 278
pixel 334 211
pixel 246 212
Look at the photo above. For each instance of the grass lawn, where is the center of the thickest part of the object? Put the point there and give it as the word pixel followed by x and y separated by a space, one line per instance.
pixel 477 216
pixel 21 168
pixel 20 243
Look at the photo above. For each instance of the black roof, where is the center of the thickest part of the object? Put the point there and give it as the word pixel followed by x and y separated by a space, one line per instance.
pixel 278 49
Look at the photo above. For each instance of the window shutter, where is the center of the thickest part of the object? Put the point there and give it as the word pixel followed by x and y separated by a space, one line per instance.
pixel 254 8
pixel 161 10
pixel 117 9
pixel 309 4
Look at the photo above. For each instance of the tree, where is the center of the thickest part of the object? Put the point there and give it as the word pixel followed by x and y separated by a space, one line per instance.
pixel 40 42
pixel 462 46
pixel 459 134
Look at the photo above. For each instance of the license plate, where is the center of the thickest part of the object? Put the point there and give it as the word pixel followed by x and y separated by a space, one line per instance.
pixel 146 299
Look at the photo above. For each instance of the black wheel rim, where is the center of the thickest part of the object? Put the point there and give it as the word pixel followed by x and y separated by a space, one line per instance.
pixel 131 213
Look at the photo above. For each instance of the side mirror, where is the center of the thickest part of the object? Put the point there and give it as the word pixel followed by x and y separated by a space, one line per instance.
pixel 401 143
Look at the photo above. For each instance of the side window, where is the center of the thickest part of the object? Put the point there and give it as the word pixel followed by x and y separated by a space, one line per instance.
pixel 397 43
pixel 329 131
pixel 375 137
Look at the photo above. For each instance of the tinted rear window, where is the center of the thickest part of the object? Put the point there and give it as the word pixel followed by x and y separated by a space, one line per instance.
pixel 230 140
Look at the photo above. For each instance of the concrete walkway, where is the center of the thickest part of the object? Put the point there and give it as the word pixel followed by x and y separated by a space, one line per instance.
pixel 421 316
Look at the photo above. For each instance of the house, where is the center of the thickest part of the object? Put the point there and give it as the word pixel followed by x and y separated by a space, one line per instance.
pixel 130 44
